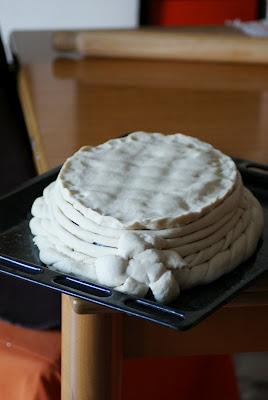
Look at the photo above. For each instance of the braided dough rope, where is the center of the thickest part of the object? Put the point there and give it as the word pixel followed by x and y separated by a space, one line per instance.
pixel 229 204
pixel 202 266
pixel 147 211
pixel 238 246
pixel 189 243
pixel 168 243
pixel 60 257
pixel 201 228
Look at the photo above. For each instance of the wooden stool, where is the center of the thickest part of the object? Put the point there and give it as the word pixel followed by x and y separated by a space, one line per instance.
pixel 95 366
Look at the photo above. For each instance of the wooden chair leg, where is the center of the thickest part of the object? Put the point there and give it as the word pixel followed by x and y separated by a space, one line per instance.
pixel 91 354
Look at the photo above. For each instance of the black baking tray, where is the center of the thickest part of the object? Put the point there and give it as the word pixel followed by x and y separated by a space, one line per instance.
pixel 19 258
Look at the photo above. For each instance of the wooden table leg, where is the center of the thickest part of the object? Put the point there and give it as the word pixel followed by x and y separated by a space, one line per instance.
pixel 91 354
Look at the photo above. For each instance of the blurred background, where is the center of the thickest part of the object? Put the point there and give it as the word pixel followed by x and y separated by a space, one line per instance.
pixel 249 16
pixel 30 14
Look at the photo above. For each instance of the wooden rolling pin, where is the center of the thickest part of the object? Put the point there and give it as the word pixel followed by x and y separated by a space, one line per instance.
pixel 207 45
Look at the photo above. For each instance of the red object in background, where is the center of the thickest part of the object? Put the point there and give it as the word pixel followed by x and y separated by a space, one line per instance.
pixel 200 12
pixel 184 378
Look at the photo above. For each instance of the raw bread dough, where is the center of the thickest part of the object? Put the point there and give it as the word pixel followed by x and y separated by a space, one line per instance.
pixel 166 288
pixel 131 243
pixel 41 208
pixel 111 270
pixel 182 250
pixel 146 267
pixel 147 181
pixel 229 257
pixel 133 287
pixel 228 205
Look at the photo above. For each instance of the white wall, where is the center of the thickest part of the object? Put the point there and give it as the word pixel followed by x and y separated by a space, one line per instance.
pixel 66 14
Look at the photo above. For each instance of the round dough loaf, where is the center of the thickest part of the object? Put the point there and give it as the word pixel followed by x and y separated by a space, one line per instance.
pixel 148 211
pixel 147 181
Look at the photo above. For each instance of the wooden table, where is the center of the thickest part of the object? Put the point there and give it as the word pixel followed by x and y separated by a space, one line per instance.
pixel 69 102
